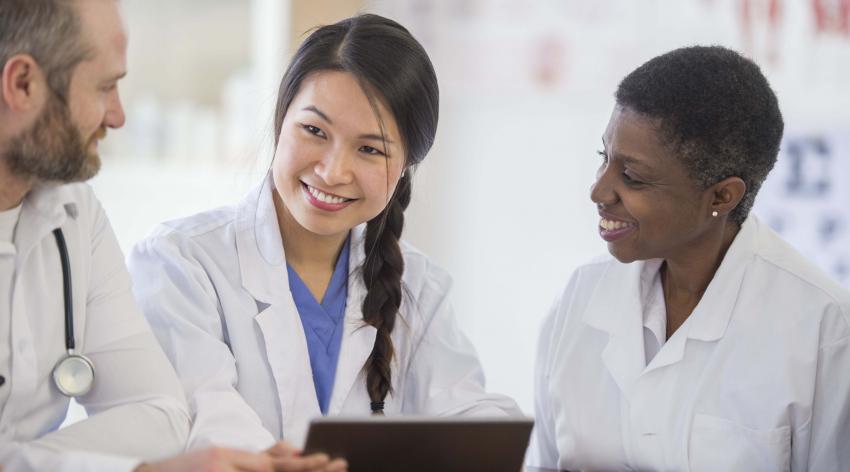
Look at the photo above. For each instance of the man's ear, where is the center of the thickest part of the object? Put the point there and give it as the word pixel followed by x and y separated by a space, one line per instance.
pixel 726 195
pixel 23 86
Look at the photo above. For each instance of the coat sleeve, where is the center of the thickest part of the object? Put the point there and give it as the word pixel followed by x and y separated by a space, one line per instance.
pixel 829 447
pixel 16 457
pixel 445 377
pixel 542 450
pixel 180 302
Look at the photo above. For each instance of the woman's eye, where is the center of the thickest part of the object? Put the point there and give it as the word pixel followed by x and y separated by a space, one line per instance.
pixel 630 180
pixel 603 156
pixel 314 130
pixel 371 150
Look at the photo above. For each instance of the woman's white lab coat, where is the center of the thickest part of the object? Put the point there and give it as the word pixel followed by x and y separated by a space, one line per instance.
pixel 214 288
pixel 757 378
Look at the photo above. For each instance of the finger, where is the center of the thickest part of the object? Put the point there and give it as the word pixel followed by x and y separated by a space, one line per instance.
pixel 239 460
pixel 283 449
pixel 300 464
pixel 337 465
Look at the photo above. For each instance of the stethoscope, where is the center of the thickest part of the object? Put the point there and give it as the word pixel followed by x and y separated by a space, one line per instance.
pixel 74 373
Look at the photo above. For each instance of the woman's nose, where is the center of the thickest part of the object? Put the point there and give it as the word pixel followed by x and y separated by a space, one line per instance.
pixel 336 167
pixel 602 191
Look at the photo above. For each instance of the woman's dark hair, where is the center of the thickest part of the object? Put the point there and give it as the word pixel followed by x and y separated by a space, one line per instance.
pixel 391 66
pixel 716 109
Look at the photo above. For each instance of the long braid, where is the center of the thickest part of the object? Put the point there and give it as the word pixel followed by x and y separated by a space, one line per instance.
pixel 382 273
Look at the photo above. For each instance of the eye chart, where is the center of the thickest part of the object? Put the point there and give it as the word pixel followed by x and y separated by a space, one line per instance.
pixel 806 198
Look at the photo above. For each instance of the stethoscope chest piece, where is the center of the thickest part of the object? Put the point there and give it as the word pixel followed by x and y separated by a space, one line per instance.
pixel 74 375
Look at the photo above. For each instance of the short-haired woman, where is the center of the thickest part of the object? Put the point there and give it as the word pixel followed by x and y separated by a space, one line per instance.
pixel 706 342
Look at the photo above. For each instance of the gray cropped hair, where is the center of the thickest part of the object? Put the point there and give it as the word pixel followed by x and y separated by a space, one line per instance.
pixel 47 30
pixel 717 111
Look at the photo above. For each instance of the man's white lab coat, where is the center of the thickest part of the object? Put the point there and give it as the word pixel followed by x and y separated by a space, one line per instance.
pixel 137 408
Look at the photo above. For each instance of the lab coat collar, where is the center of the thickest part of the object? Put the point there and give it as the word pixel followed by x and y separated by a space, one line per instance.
pixel 620 314
pixel 259 245
pixel 710 318
pixel 262 265
pixel 46 207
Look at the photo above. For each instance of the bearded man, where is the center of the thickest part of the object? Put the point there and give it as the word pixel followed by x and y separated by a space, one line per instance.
pixel 69 325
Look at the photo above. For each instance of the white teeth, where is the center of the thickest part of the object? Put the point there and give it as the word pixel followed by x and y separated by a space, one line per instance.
pixel 323 197
pixel 610 225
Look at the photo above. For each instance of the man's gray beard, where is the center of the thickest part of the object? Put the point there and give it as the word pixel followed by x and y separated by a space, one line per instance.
pixel 52 149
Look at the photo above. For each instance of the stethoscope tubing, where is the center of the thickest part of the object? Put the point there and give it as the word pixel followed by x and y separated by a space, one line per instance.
pixel 70 342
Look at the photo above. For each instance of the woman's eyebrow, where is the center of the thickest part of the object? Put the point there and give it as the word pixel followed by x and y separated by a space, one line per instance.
pixel 368 136
pixel 376 137
pixel 321 114
pixel 632 160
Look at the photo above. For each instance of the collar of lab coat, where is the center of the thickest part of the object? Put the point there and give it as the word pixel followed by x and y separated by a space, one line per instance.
pixel 616 307
pixel 46 207
pixel 262 265
pixel 260 247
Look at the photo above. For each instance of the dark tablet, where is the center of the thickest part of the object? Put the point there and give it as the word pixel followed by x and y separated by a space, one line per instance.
pixel 413 444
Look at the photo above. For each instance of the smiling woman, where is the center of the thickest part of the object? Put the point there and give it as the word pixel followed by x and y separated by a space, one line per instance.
pixel 301 301
pixel 334 153
pixel 706 343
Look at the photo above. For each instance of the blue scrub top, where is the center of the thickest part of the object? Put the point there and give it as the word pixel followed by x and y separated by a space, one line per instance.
pixel 323 323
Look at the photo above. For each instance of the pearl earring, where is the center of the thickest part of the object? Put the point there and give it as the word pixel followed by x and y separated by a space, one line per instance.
pixel 714 213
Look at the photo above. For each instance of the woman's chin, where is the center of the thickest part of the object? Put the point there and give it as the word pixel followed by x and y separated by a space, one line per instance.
pixel 322 227
pixel 622 255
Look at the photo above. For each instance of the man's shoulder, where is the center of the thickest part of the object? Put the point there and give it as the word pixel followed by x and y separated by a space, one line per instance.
pixel 77 197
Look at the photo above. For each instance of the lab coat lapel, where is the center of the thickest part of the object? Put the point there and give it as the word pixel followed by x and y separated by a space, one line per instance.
pixel 711 317
pixel 262 266
pixel 286 351
pixel 619 313
pixel 45 208
pixel 358 338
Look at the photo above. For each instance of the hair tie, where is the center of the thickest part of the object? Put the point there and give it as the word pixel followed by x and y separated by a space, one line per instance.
pixel 377 407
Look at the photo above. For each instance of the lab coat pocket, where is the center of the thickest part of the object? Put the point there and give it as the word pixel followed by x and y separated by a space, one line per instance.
pixel 720 444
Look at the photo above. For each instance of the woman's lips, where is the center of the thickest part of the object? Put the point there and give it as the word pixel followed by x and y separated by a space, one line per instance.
pixel 612 230
pixel 324 201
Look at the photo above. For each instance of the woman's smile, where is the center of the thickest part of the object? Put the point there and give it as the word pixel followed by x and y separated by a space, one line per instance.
pixel 324 200
pixel 612 229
